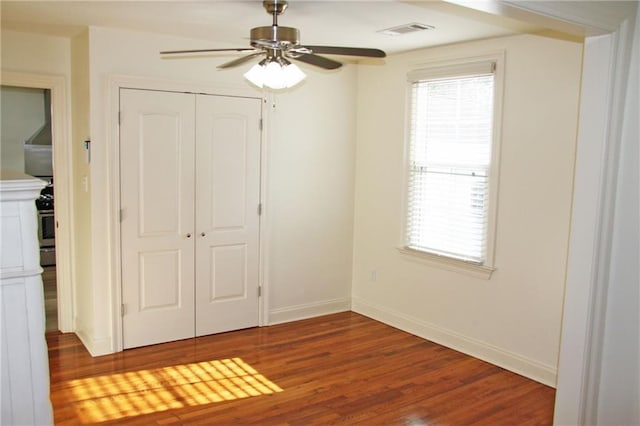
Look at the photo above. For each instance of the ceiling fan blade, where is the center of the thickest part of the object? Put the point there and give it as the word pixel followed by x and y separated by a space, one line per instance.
pixel 179 52
pixel 318 61
pixel 348 51
pixel 239 61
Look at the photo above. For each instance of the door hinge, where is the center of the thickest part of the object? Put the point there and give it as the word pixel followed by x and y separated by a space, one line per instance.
pixel 260 209
pixel 119 117
pixel 260 124
pixel 259 291
pixel 121 214
pixel 122 310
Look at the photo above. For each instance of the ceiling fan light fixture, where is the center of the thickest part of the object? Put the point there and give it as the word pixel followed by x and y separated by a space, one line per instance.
pixel 278 44
pixel 275 73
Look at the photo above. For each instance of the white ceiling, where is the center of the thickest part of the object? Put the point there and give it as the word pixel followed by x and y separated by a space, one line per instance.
pixel 227 23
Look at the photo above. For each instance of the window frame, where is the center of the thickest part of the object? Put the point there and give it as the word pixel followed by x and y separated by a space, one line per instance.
pixel 456 67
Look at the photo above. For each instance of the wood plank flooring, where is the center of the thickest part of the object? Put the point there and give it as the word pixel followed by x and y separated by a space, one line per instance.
pixel 50 298
pixel 337 369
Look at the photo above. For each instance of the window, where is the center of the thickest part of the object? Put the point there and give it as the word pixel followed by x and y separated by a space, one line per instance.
pixel 452 116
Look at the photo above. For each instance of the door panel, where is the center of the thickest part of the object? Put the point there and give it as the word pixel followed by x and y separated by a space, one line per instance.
pixel 159 271
pixel 226 172
pixel 228 273
pixel 157 198
pixel 227 221
pixel 159 174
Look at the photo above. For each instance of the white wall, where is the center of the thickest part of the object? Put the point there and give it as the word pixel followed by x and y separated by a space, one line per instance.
pixel 25 52
pixel 311 182
pixel 514 318
pixel 22 114
pixel 310 150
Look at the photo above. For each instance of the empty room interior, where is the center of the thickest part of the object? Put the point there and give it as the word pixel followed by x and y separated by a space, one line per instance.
pixel 280 236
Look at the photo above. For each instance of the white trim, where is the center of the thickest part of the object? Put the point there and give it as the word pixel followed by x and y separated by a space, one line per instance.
pixel 112 135
pixel 464 69
pixel 268 102
pixel 309 310
pixel 601 115
pixel 581 261
pixel 23 273
pixel 144 83
pixel 449 263
pixel 95 347
pixel 114 84
pixel 534 370
pixel 63 174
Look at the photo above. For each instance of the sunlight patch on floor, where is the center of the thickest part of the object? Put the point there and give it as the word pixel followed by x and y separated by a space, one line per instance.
pixel 103 398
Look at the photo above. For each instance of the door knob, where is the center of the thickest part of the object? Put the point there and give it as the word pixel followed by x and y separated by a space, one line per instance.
pixel 188 235
pixel 203 234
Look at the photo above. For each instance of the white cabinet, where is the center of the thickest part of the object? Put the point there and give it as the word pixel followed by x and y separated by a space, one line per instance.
pixel 24 359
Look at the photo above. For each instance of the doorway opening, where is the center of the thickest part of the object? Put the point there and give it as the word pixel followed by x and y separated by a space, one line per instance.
pixel 43 150
pixel 27 147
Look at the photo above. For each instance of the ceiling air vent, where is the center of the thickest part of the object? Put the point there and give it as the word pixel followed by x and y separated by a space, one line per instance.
pixel 406 29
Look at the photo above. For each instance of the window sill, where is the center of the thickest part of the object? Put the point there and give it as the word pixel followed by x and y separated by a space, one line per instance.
pixel 449 263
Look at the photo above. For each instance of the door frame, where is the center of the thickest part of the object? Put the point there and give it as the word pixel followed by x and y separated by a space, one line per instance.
pixel 63 173
pixel 117 82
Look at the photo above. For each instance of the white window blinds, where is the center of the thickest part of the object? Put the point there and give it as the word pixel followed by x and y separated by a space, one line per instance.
pixel 450 143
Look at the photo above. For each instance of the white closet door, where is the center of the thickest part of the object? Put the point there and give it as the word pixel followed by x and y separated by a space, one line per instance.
pixel 227 218
pixel 157 198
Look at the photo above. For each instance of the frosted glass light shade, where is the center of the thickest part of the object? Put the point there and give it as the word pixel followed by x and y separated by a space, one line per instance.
pixel 274 75
pixel 292 75
pixel 256 75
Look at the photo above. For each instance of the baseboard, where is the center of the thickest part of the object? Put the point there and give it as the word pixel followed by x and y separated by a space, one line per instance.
pixel 513 362
pixel 308 310
pixel 96 347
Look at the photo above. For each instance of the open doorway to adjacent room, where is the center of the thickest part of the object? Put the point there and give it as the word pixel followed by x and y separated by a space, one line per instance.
pixel 27 146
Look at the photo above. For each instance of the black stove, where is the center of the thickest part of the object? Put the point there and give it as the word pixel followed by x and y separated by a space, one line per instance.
pixel 44 202
pixel 46 225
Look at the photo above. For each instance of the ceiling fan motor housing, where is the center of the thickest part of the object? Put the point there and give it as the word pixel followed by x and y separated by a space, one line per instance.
pixel 274 7
pixel 276 36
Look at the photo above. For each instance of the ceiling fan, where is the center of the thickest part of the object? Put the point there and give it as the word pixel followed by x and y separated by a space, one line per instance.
pixel 279 44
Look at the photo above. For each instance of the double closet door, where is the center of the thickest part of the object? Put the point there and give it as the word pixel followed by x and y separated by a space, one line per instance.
pixel 190 193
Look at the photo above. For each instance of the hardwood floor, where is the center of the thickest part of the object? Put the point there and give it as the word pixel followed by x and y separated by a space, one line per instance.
pixel 337 369
pixel 50 298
